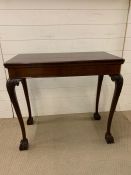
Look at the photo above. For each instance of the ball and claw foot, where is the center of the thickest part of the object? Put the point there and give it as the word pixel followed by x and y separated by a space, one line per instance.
pixel 24 145
pixel 97 116
pixel 109 138
pixel 30 121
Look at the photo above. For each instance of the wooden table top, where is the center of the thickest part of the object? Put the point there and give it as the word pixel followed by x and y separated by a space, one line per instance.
pixel 56 58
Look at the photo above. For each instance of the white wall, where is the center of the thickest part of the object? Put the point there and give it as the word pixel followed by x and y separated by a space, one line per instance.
pixel 126 69
pixel 5 105
pixel 63 26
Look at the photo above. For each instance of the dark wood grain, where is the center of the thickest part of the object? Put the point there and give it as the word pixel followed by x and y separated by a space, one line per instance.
pixel 64 70
pixel 41 59
pixel 63 65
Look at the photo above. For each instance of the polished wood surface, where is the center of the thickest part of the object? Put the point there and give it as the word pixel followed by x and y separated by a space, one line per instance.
pixel 63 64
pixel 52 58
pixel 66 64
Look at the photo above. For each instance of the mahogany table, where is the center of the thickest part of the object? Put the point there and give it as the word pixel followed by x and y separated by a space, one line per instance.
pixel 63 65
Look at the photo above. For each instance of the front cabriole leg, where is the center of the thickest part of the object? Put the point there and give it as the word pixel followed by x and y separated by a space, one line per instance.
pixel 118 79
pixel 11 83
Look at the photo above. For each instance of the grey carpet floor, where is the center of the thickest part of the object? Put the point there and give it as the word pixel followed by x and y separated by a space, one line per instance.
pixel 67 145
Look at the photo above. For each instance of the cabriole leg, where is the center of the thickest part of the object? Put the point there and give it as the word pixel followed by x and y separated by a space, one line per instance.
pixel 30 118
pixel 96 114
pixel 118 79
pixel 11 83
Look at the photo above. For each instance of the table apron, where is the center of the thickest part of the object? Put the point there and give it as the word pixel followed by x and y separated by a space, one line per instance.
pixel 64 70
